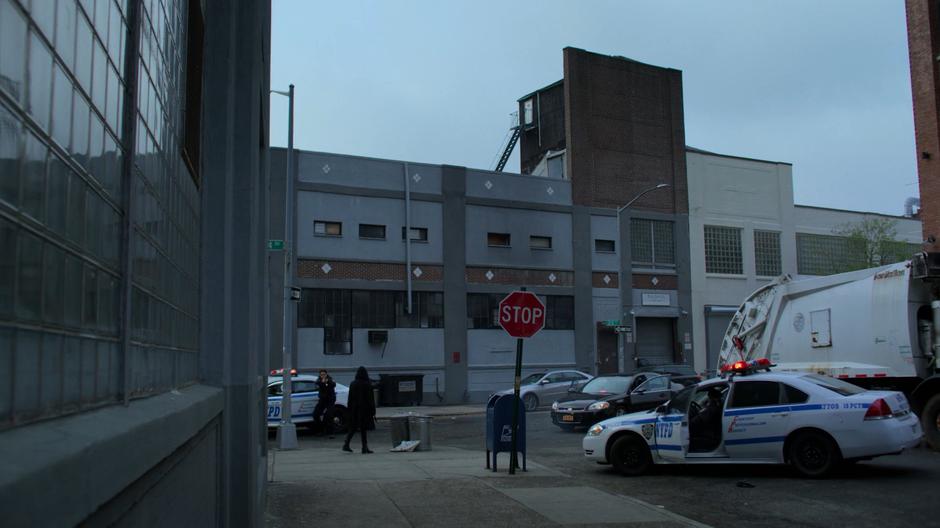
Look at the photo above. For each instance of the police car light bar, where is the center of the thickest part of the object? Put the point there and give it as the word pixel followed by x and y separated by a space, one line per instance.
pixel 280 372
pixel 744 367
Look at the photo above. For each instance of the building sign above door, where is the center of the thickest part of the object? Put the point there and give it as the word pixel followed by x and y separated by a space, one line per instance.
pixel 656 299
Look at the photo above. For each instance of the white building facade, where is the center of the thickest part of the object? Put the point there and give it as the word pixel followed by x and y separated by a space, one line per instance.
pixel 744 230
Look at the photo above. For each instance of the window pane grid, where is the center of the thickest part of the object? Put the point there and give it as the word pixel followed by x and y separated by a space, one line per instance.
pixel 723 250
pixel 652 243
pixel 767 253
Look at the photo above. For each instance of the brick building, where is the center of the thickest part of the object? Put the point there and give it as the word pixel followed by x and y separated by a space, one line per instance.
pixel 923 33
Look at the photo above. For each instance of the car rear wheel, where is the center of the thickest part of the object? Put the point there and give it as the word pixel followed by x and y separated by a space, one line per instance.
pixel 930 421
pixel 630 456
pixel 531 402
pixel 813 454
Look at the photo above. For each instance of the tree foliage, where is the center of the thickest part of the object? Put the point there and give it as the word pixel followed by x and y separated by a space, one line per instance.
pixel 872 241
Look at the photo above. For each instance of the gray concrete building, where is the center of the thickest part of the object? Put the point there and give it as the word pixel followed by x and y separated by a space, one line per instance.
pixel 132 292
pixel 473 236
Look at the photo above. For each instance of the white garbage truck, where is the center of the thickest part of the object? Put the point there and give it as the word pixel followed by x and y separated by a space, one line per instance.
pixel 878 328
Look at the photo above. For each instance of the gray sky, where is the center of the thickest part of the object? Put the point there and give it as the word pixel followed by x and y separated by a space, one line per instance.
pixel 824 85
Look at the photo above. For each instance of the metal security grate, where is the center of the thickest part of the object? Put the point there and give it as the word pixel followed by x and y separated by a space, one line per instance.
pixel 767 253
pixel 723 250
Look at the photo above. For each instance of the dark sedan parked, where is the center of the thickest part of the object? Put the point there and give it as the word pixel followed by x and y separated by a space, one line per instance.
pixel 612 395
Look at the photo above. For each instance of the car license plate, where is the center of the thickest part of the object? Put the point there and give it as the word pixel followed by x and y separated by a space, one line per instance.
pixel 567 418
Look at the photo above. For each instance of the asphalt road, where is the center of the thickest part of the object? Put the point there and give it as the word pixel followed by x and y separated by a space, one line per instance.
pixel 889 491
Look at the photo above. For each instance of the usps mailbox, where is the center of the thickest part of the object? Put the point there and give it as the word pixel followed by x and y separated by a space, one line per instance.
pixel 499 428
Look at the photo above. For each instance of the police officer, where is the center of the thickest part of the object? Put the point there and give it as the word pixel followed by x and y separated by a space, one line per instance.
pixel 327 389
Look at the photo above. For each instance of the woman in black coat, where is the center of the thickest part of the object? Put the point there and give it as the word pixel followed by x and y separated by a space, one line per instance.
pixel 361 408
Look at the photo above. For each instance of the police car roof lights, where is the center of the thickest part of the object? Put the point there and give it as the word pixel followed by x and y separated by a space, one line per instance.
pixel 280 372
pixel 746 367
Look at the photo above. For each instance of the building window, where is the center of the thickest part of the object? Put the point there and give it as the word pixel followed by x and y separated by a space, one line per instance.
pixel 604 246
pixel 827 254
pixel 540 242
pixel 497 239
pixel 193 112
pixel 767 253
pixel 322 228
pixel 723 250
pixel 418 234
pixel 344 310
pixel 482 311
pixel 372 231
pixel 652 244
pixel 528 111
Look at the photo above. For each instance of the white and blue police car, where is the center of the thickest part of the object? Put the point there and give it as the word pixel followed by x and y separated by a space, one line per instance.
pixel 304 398
pixel 751 415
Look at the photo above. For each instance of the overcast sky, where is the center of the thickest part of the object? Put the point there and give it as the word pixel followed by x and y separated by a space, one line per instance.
pixel 824 85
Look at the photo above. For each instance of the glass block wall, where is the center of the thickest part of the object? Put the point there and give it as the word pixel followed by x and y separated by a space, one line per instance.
pixel 64 177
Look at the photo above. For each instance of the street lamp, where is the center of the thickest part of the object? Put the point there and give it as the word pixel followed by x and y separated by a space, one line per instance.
pixel 287 432
pixel 621 359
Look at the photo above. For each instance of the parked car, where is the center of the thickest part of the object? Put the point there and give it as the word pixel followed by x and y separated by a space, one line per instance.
pixel 304 398
pixel 544 387
pixel 612 395
pixel 682 374
pixel 755 416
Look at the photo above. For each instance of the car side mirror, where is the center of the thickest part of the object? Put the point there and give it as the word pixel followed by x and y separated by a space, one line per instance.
pixel 543 381
pixel 662 409
pixel 573 388
pixel 639 391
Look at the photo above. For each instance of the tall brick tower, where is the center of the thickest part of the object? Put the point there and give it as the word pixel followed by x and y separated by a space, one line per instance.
pixel 923 35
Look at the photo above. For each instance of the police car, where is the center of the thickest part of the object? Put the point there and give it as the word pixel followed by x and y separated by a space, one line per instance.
pixel 810 421
pixel 304 398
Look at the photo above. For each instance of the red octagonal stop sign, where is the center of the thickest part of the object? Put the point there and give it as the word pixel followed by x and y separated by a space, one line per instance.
pixel 521 314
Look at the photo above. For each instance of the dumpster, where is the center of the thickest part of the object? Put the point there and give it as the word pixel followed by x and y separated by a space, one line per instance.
pixel 398 425
pixel 499 411
pixel 419 428
pixel 397 390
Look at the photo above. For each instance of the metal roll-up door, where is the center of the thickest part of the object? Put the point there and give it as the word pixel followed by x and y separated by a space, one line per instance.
pixel 655 340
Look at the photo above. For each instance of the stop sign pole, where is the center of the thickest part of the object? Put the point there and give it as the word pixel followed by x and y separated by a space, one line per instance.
pixel 522 315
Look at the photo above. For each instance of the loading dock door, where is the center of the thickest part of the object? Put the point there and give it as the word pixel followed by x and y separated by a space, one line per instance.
pixel 655 341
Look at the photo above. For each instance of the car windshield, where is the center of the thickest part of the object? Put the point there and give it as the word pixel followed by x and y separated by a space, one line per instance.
pixel 833 384
pixel 532 378
pixel 607 385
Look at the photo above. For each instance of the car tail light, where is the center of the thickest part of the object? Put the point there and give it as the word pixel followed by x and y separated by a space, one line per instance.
pixel 878 410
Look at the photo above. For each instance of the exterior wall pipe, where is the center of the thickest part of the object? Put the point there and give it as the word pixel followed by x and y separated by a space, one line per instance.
pixel 408 235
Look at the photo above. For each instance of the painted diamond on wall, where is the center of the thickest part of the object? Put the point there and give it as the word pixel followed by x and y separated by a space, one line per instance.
pixel 550 191
pixel 417 272
pixel 488 185
pixel 326 168
pixel 606 279
pixel 655 281
pixel 416 177
pixel 552 277
pixel 326 267
pixel 489 275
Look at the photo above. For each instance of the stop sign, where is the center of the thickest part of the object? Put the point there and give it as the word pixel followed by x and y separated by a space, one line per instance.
pixel 521 314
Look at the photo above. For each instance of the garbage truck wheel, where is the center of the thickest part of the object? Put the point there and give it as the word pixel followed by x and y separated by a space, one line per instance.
pixel 930 421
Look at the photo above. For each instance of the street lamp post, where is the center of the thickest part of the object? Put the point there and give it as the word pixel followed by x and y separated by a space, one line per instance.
pixel 287 432
pixel 620 338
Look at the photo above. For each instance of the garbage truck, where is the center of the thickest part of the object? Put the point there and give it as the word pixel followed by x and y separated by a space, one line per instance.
pixel 878 328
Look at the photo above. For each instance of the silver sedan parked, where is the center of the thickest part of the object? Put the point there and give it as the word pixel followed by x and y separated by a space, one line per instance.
pixel 542 388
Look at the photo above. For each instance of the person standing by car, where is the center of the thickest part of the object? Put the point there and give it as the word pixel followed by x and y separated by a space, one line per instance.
pixel 361 409
pixel 327 390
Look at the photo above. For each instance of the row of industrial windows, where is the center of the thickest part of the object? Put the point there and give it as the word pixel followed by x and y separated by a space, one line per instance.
pixel 338 312
pixel 652 241
pixel 816 254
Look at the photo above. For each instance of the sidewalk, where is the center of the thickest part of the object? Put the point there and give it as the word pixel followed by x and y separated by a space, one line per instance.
pixel 323 486
pixel 384 413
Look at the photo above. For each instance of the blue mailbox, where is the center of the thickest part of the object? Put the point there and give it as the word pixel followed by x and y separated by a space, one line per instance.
pixel 499 427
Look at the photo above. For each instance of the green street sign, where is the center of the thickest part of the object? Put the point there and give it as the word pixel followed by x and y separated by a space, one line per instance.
pixel 611 323
pixel 275 245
